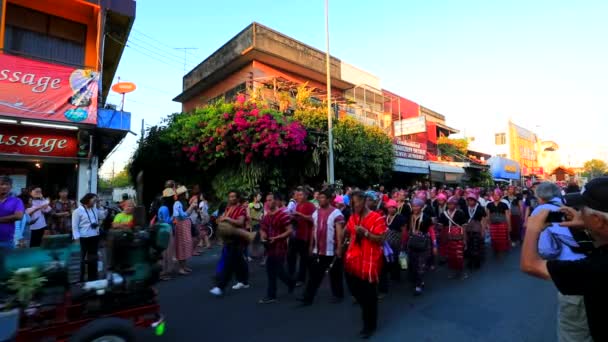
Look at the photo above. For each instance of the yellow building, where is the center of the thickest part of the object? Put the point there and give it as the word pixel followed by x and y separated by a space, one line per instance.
pixel 523 148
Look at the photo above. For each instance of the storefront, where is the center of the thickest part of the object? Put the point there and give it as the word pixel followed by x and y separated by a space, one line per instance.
pixel 504 170
pixel 445 173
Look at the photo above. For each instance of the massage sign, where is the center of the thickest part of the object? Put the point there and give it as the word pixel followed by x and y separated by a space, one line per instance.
pixel 38 142
pixel 37 90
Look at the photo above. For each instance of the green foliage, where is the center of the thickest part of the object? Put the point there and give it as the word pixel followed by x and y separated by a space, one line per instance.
pixel 120 180
pixel 25 282
pixel 449 148
pixel 595 168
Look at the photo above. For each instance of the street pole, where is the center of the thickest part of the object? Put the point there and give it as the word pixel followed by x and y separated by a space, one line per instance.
pixel 330 138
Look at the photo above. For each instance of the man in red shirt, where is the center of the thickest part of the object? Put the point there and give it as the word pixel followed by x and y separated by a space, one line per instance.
pixel 326 250
pixel 299 244
pixel 275 229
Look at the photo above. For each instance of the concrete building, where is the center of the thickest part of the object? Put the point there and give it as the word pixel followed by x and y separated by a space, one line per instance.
pixel 57 62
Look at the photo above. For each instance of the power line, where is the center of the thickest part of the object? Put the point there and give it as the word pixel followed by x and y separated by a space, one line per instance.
pixel 170 52
pixel 186 49
pixel 168 58
pixel 143 53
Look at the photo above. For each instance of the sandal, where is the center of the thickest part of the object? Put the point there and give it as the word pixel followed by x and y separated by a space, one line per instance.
pixel 183 272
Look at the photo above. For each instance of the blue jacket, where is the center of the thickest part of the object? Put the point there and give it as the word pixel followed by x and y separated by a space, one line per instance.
pixel 554 241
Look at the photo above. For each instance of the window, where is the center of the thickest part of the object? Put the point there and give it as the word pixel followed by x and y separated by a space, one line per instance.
pixel 500 139
pixel 39 35
pixel 231 94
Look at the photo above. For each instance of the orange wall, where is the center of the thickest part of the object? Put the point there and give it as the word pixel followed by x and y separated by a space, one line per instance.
pixel 74 10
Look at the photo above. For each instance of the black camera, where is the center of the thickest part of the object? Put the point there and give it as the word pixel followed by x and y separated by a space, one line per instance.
pixel 95 225
pixel 556 217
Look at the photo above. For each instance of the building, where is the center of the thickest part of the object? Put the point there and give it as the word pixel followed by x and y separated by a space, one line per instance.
pixel 57 62
pixel 264 63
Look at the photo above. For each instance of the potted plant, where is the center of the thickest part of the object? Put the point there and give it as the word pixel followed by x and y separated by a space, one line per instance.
pixel 23 284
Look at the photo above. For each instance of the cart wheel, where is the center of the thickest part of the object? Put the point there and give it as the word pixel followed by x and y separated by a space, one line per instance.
pixel 106 330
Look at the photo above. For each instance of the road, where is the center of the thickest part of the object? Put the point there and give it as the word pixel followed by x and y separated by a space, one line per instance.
pixel 496 304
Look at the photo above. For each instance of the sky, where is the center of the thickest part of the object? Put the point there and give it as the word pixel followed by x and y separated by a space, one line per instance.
pixel 541 63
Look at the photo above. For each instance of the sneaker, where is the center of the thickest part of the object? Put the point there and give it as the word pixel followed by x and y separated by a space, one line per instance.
pixel 267 301
pixel 240 286
pixel 216 291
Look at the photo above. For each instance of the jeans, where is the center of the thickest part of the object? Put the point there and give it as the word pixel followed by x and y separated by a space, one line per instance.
pixel 317 267
pixel 297 248
pixel 89 248
pixel 367 297
pixel 234 262
pixel 275 269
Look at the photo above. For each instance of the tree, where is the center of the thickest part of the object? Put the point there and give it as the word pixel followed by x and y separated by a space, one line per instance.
pixel 595 168
pixel 451 149
pixel 120 180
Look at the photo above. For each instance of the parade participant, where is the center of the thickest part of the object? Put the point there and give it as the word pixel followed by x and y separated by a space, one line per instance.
pixel 452 221
pixel 403 206
pixel 255 211
pixel 587 277
pixel 516 207
pixel 164 215
pixel 419 244
pixel 85 230
pixel 183 230
pixel 499 216
pixel 462 202
pixel 397 230
pixel 275 229
pixel 362 262
pixel 41 207
pixel 474 228
pixel 62 209
pixel 326 250
pixel 235 215
pixel 124 219
pixel 299 244
pixel 439 206
pixel 373 201
pixel 11 211
pixel 195 220
pixel 345 209
pixel 556 242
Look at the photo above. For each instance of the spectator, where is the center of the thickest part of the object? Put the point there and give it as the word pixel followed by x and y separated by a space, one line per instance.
pixel 124 220
pixel 11 211
pixel 587 277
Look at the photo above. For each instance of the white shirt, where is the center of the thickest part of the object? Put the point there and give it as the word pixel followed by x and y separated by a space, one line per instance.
pixel 38 219
pixel 81 222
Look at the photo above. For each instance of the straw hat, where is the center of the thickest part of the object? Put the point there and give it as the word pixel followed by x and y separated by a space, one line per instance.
pixel 181 190
pixel 169 192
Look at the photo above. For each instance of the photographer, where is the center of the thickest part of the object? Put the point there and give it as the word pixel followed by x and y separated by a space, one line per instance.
pixel 85 229
pixel 586 277
pixel 556 242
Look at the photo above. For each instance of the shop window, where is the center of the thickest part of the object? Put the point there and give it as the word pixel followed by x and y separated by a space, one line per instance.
pixel 38 35
pixel 500 139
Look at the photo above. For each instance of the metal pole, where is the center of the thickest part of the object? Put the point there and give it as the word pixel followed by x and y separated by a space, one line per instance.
pixel 330 138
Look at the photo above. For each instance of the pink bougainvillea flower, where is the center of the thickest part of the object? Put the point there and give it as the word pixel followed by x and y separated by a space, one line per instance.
pixel 240 98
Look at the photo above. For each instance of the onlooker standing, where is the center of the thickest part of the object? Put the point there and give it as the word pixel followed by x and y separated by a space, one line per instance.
pixel 326 250
pixel 11 211
pixel 299 244
pixel 124 219
pixel 41 207
pixel 183 230
pixel 22 227
pixel 363 259
pixel 586 277
pixel 62 213
pixel 557 243
pixel 164 215
pixel 275 229
pixel 85 229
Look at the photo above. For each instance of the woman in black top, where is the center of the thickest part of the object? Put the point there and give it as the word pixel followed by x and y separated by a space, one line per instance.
pixel 476 217
pixel 452 221
pixel 500 223
pixel 397 226
pixel 420 252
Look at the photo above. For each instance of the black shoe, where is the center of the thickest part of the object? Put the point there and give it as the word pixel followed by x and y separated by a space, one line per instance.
pixel 267 300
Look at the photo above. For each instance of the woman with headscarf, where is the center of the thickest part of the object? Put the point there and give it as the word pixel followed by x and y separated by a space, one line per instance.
pixel 500 223
pixel 363 259
pixel 420 242
pixel 474 228
pixel 439 206
pixel 452 221
pixel 183 230
pixel 397 228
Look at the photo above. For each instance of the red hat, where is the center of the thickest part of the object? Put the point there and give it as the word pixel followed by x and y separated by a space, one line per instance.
pixel 390 203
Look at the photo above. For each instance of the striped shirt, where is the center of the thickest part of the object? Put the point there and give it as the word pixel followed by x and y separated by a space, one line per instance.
pixel 324 232
pixel 275 224
pixel 363 258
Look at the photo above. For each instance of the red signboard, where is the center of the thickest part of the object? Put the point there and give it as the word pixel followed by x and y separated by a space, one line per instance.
pixel 37 90
pixel 36 141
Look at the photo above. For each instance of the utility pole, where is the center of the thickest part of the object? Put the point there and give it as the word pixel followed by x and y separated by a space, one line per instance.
pixel 186 55
pixel 330 138
pixel 141 139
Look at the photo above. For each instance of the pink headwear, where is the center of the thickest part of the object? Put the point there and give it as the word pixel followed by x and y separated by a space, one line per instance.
pixel 498 192
pixel 339 199
pixel 391 203
pixel 442 196
pixel 417 202
pixel 453 200
pixel 471 195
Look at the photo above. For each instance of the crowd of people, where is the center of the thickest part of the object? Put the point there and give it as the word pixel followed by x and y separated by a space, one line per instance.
pixel 365 238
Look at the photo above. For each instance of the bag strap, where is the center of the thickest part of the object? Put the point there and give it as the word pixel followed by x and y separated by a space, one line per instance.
pixel 451 220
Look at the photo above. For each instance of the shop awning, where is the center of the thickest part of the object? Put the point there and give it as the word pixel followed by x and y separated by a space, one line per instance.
pixel 411 166
pixel 446 168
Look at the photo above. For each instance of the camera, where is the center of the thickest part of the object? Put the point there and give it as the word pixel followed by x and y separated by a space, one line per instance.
pixel 555 217
pixel 94 225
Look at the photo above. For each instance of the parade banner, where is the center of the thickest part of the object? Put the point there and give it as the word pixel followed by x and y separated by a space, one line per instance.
pixel 37 90
pixel 38 141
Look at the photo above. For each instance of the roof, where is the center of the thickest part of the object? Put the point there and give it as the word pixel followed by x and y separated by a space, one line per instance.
pixel 564 169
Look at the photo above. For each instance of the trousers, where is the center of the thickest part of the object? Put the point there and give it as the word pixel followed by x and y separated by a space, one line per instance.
pixel 89 247
pixel 367 297
pixel 317 268
pixel 275 269
pixel 297 249
pixel 234 263
pixel 572 319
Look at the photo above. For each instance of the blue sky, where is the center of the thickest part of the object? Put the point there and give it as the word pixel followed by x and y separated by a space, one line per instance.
pixel 541 63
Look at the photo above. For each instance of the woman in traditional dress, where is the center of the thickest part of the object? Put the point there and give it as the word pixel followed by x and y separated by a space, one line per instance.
pixel 516 207
pixel 439 206
pixel 452 221
pixel 164 215
pixel 419 244
pixel 183 230
pixel 500 224
pixel 475 215
pixel 397 230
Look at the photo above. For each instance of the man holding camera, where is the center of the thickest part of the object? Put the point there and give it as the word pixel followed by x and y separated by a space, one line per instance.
pixel 587 277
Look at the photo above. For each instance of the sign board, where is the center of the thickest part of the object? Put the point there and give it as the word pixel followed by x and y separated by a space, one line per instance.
pixel 123 87
pixel 409 150
pixel 37 90
pixel 410 126
pixel 33 141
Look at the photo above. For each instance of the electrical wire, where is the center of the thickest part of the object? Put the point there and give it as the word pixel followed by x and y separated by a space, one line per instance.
pixel 143 53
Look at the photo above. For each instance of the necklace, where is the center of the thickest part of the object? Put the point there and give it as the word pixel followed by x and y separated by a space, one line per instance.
pixel 389 220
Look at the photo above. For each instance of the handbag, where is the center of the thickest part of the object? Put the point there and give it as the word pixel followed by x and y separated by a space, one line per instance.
pixel 457 235
pixel 418 241
pixel 394 239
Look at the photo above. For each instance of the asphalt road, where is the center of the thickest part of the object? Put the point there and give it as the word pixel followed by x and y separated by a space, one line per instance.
pixel 498 303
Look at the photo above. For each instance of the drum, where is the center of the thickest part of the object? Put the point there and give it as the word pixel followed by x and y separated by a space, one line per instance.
pixel 228 232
